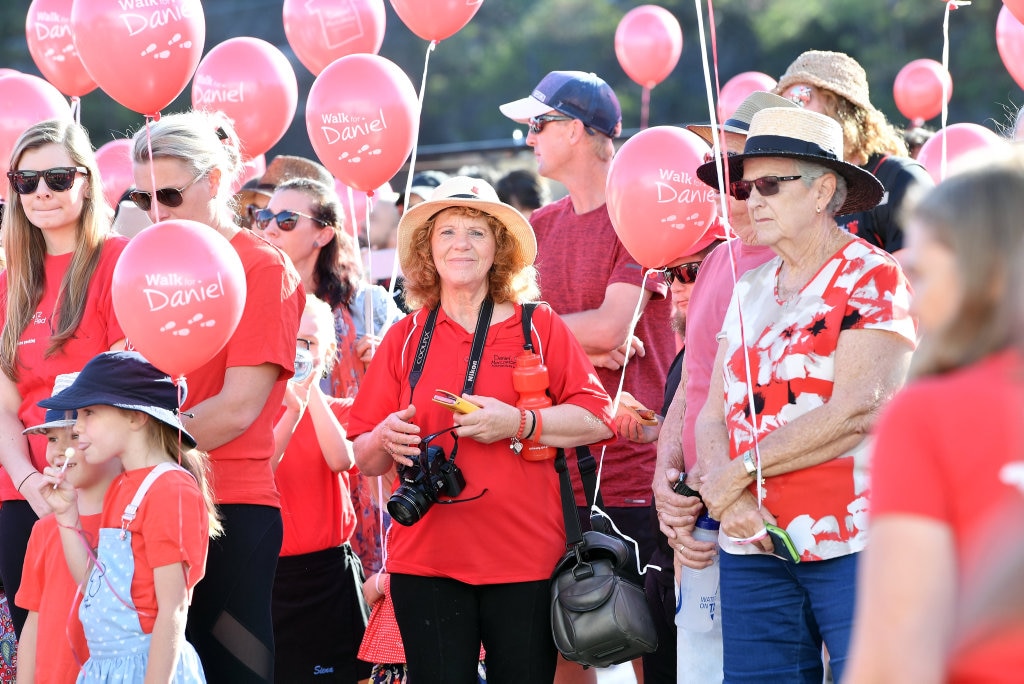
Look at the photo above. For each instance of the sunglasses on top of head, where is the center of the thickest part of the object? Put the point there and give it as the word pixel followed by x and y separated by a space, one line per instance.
pixel 766 186
pixel 169 197
pixel 684 273
pixel 286 220
pixel 58 179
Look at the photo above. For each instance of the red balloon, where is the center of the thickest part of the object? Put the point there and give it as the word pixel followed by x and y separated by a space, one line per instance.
pixel 24 101
pixel 354 206
pixel 178 293
pixel 918 90
pixel 1016 7
pixel 1010 43
pixel 321 32
pixel 361 116
pixel 141 57
pixel 115 162
pixel 250 81
pixel 658 206
pixel 435 19
pixel 48 30
pixel 648 42
pixel 961 139
pixel 737 88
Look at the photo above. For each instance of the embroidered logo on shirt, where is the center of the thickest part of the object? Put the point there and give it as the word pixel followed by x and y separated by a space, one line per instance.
pixel 502 361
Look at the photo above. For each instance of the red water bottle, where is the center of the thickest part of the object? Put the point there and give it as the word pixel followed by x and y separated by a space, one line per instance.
pixel 530 380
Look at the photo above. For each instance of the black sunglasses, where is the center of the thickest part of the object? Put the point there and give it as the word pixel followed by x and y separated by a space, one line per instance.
pixel 537 122
pixel 169 197
pixel 58 179
pixel 766 185
pixel 286 219
pixel 684 273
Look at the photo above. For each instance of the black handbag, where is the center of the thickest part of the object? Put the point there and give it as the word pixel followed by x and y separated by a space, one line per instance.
pixel 599 613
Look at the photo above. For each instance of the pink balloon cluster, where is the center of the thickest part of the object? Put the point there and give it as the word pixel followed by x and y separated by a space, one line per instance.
pixel 50 42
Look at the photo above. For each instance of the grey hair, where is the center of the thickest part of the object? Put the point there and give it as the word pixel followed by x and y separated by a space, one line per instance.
pixel 811 171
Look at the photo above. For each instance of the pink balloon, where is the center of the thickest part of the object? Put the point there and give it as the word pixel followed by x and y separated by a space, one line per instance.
pixel 251 168
pixel 361 116
pixel 178 293
pixel 9 72
pixel 24 101
pixel 115 161
pixel 48 30
pixel 355 207
pixel 1016 7
pixel 658 206
pixel 323 30
pixel 961 139
pixel 435 19
pixel 1010 43
pixel 737 88
pixel 648 42
pixel 250 81
pixel 918 90
pixel 141 57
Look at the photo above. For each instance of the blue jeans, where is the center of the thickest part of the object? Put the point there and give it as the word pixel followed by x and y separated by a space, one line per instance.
pixel 776 614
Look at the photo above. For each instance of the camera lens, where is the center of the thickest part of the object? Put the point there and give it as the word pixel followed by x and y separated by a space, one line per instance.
pixel 407 505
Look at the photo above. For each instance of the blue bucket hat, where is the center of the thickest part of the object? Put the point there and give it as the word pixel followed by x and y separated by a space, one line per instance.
pixel 125 380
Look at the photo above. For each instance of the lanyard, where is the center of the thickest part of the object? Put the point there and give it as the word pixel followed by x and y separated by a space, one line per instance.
pixel 483 324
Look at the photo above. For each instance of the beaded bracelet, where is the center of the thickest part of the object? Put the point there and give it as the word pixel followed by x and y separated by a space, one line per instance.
pixel 515 445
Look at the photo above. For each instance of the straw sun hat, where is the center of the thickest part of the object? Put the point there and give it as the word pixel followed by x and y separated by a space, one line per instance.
pixel 834 71
pixel 795 133
pixel 463 191
pixel 739 122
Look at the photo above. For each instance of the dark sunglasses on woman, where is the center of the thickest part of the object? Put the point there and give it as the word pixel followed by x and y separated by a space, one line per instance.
pixel 766 185
pixel 286 220
pixel 58 179
pixel 684 273
pixel 169 197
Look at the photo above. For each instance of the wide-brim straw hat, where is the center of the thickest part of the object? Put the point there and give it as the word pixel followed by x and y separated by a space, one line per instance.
pixel 739 122
pixel 463 191
pixel 795 133
pixel 834 71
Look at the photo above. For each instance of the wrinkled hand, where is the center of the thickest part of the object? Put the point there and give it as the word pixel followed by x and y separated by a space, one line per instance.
pixel 492 422
pixel 675 511
pixel 722 486
pixel 616 358
pixel 692 553
pixel 400 437
pixel 366 347
pixel 744 519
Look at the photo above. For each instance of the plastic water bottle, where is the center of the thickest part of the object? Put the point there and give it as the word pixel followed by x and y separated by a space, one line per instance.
pixel 698 589
pixel 530 380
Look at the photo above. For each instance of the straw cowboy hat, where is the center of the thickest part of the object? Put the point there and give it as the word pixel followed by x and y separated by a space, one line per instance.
pixel 834 71
pixel 463 191
pixel 795 133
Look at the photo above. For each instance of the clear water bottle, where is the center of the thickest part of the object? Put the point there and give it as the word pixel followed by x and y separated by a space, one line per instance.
pixel 303 365
pixel 698 608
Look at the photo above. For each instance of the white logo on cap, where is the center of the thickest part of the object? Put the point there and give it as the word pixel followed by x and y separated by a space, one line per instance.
pixel 540 96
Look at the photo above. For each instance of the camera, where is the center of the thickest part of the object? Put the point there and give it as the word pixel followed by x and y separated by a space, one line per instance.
pixel 433 476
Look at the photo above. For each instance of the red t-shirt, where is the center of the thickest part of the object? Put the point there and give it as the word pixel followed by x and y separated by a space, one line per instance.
pixel 942 451
pixel 315 505
pixel 96 332
pixel 709 300
pixel 48 589
pixel 171 526
pixel 274 299
pixel 507 526
pixel 578 257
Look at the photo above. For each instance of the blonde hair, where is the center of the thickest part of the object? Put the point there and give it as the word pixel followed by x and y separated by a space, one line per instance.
pixel 976 215
pixel 322 313
pixel 25 249
pixel 196 462
pixel 510 279
pixel 865 131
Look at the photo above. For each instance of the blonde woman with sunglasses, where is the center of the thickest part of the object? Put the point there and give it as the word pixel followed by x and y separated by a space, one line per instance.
pixel 184 166
pixel 57 310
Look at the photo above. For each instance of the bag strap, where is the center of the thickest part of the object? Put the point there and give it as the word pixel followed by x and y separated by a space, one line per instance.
pixel 528 309
pixel 588 474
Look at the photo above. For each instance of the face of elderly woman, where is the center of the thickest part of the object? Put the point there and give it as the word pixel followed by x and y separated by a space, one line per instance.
pixel 788 212
pixel 932 269
pixel 463 248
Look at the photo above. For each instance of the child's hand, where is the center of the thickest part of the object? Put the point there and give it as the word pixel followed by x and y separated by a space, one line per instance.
pixel 296 394
pixel 366 347
pixel 60 495
pixel 374 587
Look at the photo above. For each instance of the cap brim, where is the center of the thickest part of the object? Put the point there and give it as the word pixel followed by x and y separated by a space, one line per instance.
pixel 39 429
pixel 75 398
pixel 524 109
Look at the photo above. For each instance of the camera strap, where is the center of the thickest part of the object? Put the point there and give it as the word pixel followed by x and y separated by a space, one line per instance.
pixel 476 352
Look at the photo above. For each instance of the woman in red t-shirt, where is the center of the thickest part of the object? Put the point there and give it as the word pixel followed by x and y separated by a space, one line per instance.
pixel 945 511
pixel 56 309
pixel 475 567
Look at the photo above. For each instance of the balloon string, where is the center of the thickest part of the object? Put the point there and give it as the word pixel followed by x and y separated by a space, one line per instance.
pixel 76 109
pixel 723 182
pixel 950 6
pixel 152 166
pixel 645 106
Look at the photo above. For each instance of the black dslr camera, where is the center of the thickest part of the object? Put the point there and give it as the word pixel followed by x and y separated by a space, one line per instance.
pixel 432 477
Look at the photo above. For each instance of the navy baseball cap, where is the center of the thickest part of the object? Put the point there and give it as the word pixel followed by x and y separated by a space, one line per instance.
pixel 577 94
pixel 125 380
